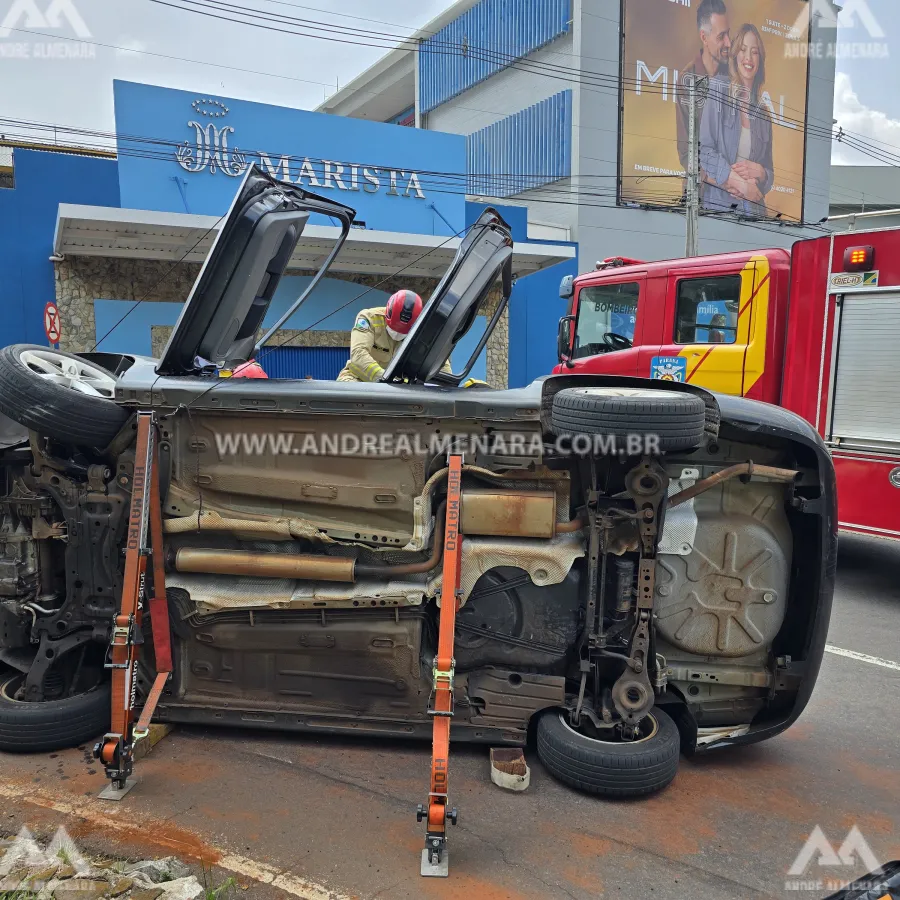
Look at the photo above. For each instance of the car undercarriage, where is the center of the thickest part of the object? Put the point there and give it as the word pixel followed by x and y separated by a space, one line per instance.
pixel 646 568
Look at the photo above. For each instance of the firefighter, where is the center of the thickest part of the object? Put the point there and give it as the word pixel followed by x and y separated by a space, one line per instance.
pixel 377 335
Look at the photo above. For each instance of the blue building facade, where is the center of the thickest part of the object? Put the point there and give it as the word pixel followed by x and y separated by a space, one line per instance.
pixel 41 181
pixel 182 153
pixel 182 156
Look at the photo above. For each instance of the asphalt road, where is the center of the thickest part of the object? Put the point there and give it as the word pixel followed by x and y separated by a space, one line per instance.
pixel 335 818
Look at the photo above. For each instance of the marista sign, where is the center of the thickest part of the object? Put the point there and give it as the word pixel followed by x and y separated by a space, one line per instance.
pixel 182 152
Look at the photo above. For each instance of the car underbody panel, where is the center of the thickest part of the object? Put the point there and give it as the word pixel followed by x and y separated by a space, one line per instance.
pixel 734 602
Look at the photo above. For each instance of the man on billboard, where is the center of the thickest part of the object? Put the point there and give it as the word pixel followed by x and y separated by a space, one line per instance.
pixel 712 60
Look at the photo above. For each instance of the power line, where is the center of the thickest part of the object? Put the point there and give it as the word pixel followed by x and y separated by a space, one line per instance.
pixel 435 181
pixel 365 38
pixel 159 281
pixel 811 131
pixel 199 62
pixel 647 89
pixel 263 20
pixel 454 183
pixel 873 153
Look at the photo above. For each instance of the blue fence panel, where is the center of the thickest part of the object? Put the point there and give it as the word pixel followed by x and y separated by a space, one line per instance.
pixel 322 363
pixel 488 38
pixel 531 148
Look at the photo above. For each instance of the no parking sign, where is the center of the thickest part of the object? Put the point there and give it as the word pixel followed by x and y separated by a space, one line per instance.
pixel 51 323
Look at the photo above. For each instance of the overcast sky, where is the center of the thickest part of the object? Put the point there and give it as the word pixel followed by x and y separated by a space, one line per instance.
pixel 301 71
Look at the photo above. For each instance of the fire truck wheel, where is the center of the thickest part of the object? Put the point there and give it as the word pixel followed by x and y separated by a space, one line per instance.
pixel 666 419
pixel 51 724
pixel 59 395
pixel 607 766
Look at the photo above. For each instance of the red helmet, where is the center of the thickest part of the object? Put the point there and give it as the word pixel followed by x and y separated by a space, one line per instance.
pixel 251 369
pixel 401 311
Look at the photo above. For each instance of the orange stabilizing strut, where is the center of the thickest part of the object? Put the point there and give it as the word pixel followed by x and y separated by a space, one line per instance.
pixel 116 750
pixel 438 811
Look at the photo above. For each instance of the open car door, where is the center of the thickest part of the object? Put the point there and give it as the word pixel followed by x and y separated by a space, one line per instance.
pixel 225 310
pixel 484 255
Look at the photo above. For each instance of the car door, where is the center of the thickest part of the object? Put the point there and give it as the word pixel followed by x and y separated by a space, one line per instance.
pixel 707 327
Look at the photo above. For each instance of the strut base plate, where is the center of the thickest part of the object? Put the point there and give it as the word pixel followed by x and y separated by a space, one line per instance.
pixel 113 793
pixel 441 870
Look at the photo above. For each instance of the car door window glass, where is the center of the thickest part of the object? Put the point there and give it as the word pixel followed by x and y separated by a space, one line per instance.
pixel 607 315
pixel 707 310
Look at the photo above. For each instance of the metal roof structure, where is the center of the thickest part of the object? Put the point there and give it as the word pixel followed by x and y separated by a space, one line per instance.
pixel 181 237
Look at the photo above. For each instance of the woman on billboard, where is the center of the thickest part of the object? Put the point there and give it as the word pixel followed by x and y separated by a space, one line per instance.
pixel 736 132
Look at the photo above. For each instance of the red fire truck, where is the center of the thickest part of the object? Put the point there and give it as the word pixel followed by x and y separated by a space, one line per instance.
pixel 815 330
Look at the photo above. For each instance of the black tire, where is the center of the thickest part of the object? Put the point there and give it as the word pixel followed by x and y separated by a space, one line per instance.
pixel 677 420
pixel 609 769
pixel 51 409
pixel 53 724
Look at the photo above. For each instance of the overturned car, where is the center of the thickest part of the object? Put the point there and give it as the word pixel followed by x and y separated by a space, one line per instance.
pixel 646 569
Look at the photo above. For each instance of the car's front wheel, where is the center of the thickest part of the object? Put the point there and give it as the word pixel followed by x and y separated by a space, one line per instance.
pixel 604 764
pixel 50 724
pixel 59 395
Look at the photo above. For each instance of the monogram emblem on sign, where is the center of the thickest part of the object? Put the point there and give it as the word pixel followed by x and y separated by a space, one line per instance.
pixel 211 149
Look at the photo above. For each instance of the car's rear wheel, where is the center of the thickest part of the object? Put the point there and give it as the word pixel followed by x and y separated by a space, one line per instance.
pixel 50 724
pixel 607 765
pixel 643 417
pixel 59 395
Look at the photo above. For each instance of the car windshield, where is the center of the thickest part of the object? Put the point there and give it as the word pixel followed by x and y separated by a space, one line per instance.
pixel 606 318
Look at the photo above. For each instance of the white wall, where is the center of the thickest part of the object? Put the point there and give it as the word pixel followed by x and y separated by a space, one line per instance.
pixel 820 115
pixel 553 204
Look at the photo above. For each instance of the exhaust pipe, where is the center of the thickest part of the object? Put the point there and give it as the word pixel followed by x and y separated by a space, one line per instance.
pixel 303 567
pixel 489 513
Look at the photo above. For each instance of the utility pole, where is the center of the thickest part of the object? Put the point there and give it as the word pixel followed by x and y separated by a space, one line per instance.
pixel 692 203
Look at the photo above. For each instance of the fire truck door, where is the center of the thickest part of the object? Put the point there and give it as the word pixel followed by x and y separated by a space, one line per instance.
pixel 715 334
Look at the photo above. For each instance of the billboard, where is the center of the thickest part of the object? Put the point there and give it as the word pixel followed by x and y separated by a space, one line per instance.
pixel 751 110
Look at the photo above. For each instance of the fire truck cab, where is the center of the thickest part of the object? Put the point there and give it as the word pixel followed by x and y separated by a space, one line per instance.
pixel 815 330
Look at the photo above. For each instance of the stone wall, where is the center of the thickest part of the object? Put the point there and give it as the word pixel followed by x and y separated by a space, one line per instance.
pixel 498 343
pixel 80 280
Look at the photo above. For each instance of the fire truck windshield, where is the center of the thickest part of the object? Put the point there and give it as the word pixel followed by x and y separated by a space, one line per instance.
pixel 607 314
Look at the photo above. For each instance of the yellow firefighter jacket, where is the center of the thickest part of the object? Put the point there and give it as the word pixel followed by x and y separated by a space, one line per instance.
pixel 371 347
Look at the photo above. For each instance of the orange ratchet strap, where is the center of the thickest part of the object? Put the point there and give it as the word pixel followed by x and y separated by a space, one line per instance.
pixel 116 750
pixel 434 856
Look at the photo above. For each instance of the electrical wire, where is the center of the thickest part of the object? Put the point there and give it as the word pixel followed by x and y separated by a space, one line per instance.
pixel 359 296
pixel 508 60
pixel 159 281
pixel 810 131
pixel 365 37
pixel 873 153
pixel 453 183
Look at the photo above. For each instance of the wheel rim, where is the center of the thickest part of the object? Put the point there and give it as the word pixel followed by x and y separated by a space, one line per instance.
pixel 9 687
pixel 629 393
pixel 73 674
pixel 649 722
pixel 68 372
